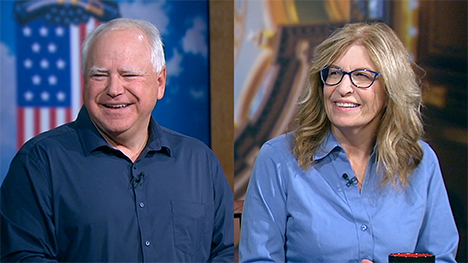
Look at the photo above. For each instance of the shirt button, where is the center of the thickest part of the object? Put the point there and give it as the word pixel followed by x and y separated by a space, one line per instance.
pixel 142 204
pixel 147 243
pixel 363 227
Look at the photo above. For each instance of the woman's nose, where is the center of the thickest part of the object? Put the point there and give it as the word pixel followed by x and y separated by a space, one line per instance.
pixel 346 86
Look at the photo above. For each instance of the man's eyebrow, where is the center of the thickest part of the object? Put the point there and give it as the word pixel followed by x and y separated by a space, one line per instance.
pixel 132 70
pixel 93 70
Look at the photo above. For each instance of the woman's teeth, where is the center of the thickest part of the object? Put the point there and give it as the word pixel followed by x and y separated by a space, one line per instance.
pixel 346 105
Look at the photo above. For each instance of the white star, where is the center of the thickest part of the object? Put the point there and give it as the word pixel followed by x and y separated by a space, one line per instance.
pixel 28 95
pixel 59 31
pixel 26 31
pixel 52 48
pixel 60 64
pixel 28 63
pixel 36 47
pixel 43 31
pixel 45 96
pixel 36 80
pixel 61 96
pixel 52 80
pixel 44 63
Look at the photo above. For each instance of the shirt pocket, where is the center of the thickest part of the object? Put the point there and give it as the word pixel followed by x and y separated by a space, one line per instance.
pixel 188 220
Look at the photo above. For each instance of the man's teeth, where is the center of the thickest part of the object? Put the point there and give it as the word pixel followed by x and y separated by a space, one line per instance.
pixel 347 105
pixel 117 106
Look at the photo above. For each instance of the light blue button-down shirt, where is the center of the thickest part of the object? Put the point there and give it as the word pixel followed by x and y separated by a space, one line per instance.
pixel 317 216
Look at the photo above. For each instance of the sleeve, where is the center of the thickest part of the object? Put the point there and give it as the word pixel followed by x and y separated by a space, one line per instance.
pixel 27 229
pixel 222 248
pixel 264 216
pixel 438 234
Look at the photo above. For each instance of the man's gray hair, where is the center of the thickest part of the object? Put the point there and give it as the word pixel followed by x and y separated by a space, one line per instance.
pixel 151 32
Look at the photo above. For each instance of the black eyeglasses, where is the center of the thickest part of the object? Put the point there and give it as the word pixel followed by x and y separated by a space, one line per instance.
pixel 361 78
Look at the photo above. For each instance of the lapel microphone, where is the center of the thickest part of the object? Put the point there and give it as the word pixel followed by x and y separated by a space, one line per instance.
pixel 136 181
pixel 349 181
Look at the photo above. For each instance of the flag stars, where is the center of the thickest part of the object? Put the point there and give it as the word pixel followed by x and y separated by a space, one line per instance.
pixel 44 63
pixel 61 96
pixel 44 67
pixel 52 48
pixel 43 31
pixel 60 64
pixel 27 31
pixel 59 31
pixel 28 63
pixel 45 96
pixel 52 80
pixel 36 80
pixel 36 48
pixel 28 95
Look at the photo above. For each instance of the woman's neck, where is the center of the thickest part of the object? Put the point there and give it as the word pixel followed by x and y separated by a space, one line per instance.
pixel 358 147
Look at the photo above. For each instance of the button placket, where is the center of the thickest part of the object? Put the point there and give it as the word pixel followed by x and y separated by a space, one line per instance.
pixel 140 203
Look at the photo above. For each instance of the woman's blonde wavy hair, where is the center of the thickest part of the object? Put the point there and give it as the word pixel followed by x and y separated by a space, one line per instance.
pixel 398 151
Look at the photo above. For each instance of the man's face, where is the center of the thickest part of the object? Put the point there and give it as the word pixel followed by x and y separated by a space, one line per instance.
pixel 121 85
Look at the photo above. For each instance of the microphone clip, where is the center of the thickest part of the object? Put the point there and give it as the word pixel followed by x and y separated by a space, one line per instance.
pixel 349 181
pixel 137 181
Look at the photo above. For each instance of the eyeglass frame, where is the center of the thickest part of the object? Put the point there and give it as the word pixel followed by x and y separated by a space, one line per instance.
pixel 376 74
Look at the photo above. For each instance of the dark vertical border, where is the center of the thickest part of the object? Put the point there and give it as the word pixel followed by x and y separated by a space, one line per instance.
pixel 222 83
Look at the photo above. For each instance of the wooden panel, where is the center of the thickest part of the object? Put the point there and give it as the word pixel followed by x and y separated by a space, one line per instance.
pixel 222 83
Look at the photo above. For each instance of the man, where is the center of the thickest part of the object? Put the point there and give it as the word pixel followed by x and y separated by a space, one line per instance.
pixel 114 185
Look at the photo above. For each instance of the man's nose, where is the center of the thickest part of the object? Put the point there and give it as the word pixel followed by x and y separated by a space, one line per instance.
pixel 114 86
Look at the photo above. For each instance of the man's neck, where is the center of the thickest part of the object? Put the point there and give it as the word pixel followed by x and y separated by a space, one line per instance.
pixel 131 146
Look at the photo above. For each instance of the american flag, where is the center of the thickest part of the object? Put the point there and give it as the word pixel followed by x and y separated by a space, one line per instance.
pixel 49 36
pixel 48 75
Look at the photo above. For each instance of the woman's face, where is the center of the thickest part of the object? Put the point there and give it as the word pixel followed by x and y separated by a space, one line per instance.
pixel 351 109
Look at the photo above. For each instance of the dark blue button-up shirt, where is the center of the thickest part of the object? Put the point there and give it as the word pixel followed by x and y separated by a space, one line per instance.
pixel 69 196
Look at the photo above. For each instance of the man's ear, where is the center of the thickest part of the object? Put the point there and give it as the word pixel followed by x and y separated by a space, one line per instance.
pixel 161 83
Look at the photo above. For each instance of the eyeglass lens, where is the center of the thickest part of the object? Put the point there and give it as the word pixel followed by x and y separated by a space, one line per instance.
pixel 361 78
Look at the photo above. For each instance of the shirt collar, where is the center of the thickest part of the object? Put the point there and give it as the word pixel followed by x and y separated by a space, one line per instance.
pixel 92 140
pixel 157 140
pixel 329 144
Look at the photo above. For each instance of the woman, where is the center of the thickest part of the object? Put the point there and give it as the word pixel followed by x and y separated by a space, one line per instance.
pixel 353 182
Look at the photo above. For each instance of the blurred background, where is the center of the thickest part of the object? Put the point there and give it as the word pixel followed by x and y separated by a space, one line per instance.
pixel 273 45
